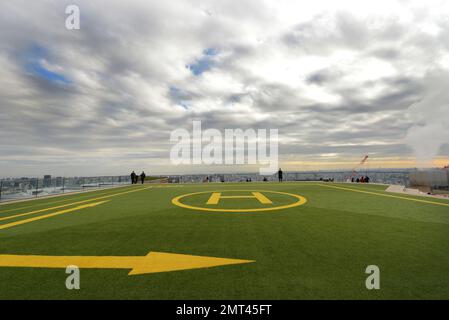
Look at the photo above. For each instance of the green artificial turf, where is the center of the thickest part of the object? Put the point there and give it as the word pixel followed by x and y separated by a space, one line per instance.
pixel 319 250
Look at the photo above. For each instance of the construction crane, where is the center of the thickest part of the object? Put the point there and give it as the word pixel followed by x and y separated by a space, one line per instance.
pixel 354 171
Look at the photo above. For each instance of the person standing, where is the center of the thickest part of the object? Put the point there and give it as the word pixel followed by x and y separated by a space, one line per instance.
pixel 280 175
pixel 142 177
pixel 133 177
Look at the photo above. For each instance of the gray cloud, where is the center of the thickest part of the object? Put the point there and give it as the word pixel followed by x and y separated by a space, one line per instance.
pixel 343 80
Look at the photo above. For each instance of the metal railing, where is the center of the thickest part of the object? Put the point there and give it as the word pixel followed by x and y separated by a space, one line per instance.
pixel 400 177
pixel 23 188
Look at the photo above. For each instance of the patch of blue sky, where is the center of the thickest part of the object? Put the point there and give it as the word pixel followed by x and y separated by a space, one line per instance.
pixel 210 52
pixel 205 63
pixel 37 69
pixel 34 66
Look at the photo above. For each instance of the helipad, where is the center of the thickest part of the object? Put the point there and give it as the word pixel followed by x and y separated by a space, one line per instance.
pixel 259 196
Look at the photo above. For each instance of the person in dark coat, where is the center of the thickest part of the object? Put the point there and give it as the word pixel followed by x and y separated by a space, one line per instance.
pixel 133 177
pixel 280 175
pixel 142 177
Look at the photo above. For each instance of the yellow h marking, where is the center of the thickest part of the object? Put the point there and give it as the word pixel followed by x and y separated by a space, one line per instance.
pixel 216 196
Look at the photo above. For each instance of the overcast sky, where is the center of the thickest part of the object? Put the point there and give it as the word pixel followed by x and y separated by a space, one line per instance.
pixel 339 79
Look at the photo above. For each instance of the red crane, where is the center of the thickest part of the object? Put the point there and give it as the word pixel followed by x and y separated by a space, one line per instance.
pixel 354 172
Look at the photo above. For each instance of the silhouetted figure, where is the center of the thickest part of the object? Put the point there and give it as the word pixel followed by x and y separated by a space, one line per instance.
pixel 367 179
pixel 358 180
pixel 352 179
pixel 280 175
pixel 265 179
pixel 142 177
pixel 133 177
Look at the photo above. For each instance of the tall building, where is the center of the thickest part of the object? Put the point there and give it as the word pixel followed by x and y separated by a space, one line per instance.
pixel 59 181
pixel 47 181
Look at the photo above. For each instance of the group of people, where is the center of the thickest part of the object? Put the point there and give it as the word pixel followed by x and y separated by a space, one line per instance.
pixel 362 179
pixel 135 177
pixel 280 175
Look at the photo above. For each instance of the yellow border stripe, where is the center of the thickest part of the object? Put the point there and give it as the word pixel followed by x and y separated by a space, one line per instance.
pixel 75 195
pixel 71 204
pixel 387 195
pixel 13 224
pixel 71 197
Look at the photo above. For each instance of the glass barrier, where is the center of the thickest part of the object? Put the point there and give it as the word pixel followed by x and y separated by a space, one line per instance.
pixel 23 188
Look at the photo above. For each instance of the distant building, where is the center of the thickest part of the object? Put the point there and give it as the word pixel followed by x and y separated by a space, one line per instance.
pixel 47 181
pixel 59 181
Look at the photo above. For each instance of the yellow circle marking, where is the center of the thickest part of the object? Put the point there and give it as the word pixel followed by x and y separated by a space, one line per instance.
pixel 177 202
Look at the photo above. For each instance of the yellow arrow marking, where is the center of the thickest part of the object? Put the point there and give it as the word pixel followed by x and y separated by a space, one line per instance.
pixel 13 224
pixel 70 204
pixel 72 197
pixel 153 262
